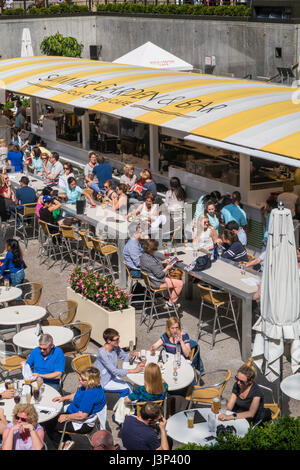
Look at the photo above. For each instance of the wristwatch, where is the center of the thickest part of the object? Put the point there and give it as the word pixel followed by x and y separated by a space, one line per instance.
pixel 234 415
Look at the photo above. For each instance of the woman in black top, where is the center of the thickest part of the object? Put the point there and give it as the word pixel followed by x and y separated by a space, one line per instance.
pixel 247 399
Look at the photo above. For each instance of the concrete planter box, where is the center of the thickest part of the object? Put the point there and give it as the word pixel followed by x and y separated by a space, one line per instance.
pixel 121 320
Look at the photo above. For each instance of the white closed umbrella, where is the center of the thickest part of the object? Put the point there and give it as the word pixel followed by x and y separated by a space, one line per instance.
pixel 26 45
pixel 280 299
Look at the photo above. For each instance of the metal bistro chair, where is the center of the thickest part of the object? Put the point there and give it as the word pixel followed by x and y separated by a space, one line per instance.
pixel 32 292
pixel 80 341
pixel 28 216
pixel 10 361
pixel 206 393
pixel 79 363
pixel 133 282
pixel 162 403
pixel 273 407
pixel 49 243
pixel 69 245
pixel 61 312
pixel 87 246
pixel 100 423
pixel 104 252
pixel 154 293
pixel 216 299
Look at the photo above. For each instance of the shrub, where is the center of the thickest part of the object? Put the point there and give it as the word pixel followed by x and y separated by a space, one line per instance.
pixel 282 434
pixel 61 46
pixel 99 289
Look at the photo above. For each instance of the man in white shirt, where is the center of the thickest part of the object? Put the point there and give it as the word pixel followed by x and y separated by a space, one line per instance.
pixel 56 170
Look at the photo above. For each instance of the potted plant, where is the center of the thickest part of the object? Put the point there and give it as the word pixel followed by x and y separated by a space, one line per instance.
pixel 102 304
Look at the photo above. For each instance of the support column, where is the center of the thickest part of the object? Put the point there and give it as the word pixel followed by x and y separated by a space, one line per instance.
pixel 244 177
pixel 85 127
pixel 154 147
pixel 33 110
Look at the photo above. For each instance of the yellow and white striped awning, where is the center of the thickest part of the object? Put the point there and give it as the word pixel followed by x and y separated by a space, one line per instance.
pixel 248 114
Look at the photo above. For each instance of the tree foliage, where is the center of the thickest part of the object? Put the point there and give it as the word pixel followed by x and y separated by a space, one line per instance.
pixel 59 45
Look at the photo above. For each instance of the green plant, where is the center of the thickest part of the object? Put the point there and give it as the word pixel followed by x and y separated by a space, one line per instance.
pixel 15 11
pixel 99 289
pixel 282 434
pixel 8 105
pixel 61 46
pixel 25 102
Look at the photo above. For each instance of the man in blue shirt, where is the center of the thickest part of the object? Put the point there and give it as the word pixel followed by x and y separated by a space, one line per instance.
pixel 24 195
pixel 103 171
pixel 73 193
pixel 233 211
pixel 132 252
pixel 47 361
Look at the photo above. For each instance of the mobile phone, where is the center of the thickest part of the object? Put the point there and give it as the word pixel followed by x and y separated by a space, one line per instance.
pixel 209 438
pixel 45 412
pixel 174 260
pixel 2 403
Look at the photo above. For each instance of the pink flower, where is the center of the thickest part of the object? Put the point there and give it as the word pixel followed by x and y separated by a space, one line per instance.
pixel 104 299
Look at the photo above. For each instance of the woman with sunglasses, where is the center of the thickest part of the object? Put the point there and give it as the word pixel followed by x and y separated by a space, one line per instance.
pixel 7 197
pixel 63 179
pixel 24 433
pixel 247 399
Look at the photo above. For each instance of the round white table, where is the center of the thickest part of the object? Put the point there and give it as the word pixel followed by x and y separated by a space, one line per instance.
pixel 185 372
pixel 177 427
pixel 12 293
pixel 27 339
pixel 45 403
pixel 291 386
pixel 21 314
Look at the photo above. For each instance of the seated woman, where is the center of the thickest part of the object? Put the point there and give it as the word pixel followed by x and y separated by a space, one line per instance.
pixel 157 273
pixel 81 413
pixel 36 164
pixel 247 399
pixel 47 191
pixel 175 196
pixel 13 263
pixel 63 179
pixel 210 212
pixel 204 235
pixel 107 363
pixel 15 158
pixel 232 247
pixel 73 192
pixel 7 197
pixel 47 211
pixel 147 211
pixel 24 433
pixel 173 337
pixel 110 196
pixel 129 178
pixel 154 387
pixel 120 204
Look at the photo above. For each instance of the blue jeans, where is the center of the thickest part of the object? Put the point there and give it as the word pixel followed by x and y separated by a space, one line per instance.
pixel 95 187
pixel 135 273
pixel 13 209
pixel 17 278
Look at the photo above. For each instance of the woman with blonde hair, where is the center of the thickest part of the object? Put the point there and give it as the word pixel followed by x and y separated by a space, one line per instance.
pixel 247 399
pixel 81 413
pixel 172 337
pixel 129 178
pixel 154 387
pixel 204 235
pixel 24 433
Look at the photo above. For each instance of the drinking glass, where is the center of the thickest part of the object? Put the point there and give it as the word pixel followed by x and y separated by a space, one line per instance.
pixel 175 366
pixel 223 405
pixel 216 405
pixel 190 418
pixel 17 396
pixel 143 354
pixel 243 269
pixel 8 383
pixel 130 346
pixel 36 393
pixel 6 284
pixel 220 251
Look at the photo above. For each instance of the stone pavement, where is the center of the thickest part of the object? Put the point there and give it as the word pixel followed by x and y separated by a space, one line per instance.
pixel 225 354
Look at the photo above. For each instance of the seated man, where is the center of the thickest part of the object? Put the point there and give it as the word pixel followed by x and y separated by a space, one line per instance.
pixel 233 226
pixel 103 440
pixel 73 193
pixel 24 195
pixel 47 361
pixel 138 432
pixel 132 252
pixel 107 363
pixel 56 169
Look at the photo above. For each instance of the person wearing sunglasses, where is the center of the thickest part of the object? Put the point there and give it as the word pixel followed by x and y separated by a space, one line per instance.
pixel 47 361
pixel 247 399
pixel 24 433
pixel 63 179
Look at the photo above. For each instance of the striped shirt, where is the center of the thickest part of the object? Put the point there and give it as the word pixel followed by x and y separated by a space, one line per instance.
pixel 236 252
pixel 171 347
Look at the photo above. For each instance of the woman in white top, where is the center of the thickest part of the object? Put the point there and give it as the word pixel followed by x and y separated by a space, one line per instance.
pixel 120 204
pixel 129 178
pixel 63 179
pixel 204 235
pixel 175 196
pixel 147 211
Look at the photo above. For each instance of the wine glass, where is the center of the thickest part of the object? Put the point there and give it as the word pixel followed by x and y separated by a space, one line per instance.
pixel 175 366
pixel 6 284
pixel 143 355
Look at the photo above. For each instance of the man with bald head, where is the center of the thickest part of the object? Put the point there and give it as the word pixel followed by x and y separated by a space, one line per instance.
pixel 47 361
pixel 102 440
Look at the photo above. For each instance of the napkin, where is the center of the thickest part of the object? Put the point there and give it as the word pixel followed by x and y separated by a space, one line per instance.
pixel 250 281
pixel 26 371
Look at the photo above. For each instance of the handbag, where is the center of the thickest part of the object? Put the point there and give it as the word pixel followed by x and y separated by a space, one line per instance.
pixel 202 263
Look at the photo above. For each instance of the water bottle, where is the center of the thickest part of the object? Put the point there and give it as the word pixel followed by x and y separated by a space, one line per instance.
pixel 215 252
pixel 211 421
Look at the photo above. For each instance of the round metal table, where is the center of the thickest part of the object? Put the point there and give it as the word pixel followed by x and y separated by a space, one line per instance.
pixel 45 403
pixel 177 427
pixel 10 293
pixel 21 314
pixel 290 386
pixel 27 339
pixel 185 372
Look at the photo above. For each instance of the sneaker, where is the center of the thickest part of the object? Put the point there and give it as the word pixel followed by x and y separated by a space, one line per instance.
pixel 171 305
pixel 20 225
pixel 68 445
